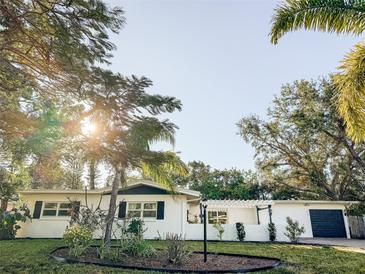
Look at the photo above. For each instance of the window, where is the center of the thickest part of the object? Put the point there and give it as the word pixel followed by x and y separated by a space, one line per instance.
pixel 217 217
pixel 55 209
pixel 142 210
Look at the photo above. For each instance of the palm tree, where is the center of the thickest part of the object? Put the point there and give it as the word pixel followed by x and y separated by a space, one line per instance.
pixel 130 125
pixel 338 16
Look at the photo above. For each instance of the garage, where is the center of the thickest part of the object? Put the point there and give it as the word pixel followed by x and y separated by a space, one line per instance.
pixel 327 223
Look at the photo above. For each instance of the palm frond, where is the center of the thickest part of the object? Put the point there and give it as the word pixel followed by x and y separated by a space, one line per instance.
pixel 339 16
pixel 161 166
pixel 351 92
pixel 148 130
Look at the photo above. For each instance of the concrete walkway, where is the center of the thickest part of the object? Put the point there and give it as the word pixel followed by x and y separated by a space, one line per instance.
pixel 335 242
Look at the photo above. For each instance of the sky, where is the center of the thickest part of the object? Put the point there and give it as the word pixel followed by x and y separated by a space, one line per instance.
pixel 216 57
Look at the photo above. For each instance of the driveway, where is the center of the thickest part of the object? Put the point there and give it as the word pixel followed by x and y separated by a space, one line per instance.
pixel 355 243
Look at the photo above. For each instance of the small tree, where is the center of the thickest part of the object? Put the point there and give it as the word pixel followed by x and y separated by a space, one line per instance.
pixel 241 233
pixel 220 230
pixel 272 231
pixel 136 228
pixel 294 230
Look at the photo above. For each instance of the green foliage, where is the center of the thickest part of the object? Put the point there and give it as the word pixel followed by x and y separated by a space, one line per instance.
pixel 48 49
pixel 241 233
pixel 322 15
pixel 113 254
pixel 303 145
pixel 350 98
pixel 78 239
pixel 220 230
pixel 293 230
pixel 222 184
pixel 11 180
pixel 332 16
pixel 272 231
pixel 135 246
pixel 136 228
pixel 177 249
pixel 356 210
pixel 9 221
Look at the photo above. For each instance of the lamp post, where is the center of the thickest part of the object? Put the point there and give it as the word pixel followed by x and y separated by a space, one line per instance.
pixel 205 233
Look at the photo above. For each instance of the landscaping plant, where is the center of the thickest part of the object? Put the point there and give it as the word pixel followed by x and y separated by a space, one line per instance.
pixel 132 245
pixel 112 254
pixel 220 230
pixel 293 230
pixel 78 239
pixel 9 220
pixel 136 227
pixel 272 231
pixel 241 233
pixel 177 250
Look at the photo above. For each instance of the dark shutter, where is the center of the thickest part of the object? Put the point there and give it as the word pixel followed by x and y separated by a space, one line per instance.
pixel 76 206
pixel 122 210
pixel 37 209
pixel 160 210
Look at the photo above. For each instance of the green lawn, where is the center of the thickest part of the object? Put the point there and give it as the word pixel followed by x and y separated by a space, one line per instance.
pixel 31 256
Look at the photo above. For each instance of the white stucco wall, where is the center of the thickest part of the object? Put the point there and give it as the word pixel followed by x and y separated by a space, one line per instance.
pixel 53 227
pixel 254 232
pixel 234 215
pixel 299 212
pixel 175 217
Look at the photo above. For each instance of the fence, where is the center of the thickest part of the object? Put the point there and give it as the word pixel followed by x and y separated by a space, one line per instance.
pixel 253 232
pixel 357 227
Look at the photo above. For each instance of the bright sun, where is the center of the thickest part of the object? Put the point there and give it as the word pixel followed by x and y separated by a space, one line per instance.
pixel 87 127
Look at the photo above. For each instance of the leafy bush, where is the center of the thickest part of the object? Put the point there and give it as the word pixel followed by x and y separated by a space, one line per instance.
pixel 241 233
pixel 9 221
pixel 112 254
pixel 78 239
pixel 136 246
pixel 356 210
pixel 272 231
pixel 177 251
pixel 294 230
pixel 135 228
pixel 220 230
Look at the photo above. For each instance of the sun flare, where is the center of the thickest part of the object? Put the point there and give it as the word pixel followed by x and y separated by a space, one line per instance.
pixel 88 127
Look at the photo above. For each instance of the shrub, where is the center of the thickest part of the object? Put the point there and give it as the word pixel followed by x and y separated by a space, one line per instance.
pixel 135 228
pixel 136 246
pixel 272 231
pixel 78 239
pixel 177 251
pixel 112 254
pixel 241 233
pixel 9 221
pixel 294 230
pixel 220 230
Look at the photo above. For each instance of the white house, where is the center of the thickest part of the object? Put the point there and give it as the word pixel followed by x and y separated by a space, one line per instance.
pixel 180 212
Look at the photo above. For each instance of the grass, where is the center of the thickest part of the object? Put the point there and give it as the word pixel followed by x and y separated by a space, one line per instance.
pixel 31 256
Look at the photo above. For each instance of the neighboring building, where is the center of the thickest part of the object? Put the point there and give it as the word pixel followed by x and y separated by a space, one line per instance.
pixel 180 212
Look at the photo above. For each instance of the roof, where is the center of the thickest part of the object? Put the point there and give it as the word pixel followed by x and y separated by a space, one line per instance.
pixel 254 203
pixel 133 184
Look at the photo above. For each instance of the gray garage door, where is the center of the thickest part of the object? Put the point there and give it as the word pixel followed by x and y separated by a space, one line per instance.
pixel 327 223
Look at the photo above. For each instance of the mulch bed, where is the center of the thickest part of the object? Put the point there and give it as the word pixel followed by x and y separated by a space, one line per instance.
pixel 217 262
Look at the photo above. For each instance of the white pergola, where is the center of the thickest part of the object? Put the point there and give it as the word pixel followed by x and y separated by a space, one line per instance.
pixel 236 203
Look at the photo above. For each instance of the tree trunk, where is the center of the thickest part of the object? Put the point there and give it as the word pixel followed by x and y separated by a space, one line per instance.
pixel 4 204
pixel 119 176
pixel 92 174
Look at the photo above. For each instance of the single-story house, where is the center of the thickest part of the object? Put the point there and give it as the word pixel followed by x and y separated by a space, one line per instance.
pixel 180 212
